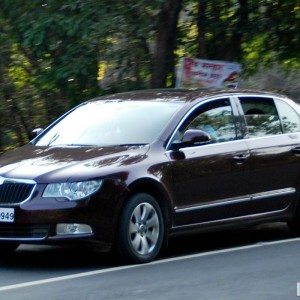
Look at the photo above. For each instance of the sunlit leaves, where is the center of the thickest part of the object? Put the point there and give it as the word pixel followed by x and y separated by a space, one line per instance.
pixel 55 54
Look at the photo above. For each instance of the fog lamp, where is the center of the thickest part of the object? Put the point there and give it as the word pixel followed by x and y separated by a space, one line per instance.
pixel 73 229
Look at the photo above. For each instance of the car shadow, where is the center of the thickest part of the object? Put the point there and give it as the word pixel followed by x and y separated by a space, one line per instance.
pixel 62 259
pixel 219 240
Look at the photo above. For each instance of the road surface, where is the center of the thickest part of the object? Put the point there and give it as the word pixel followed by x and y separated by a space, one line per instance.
pixel 256 263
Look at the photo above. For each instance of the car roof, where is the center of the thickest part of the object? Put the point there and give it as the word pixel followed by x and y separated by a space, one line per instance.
pixel 180 95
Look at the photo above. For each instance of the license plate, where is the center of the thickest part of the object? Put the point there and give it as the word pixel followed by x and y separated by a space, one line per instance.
pixel 7 214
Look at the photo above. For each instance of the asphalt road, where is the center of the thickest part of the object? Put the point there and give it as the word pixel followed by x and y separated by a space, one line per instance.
pixel 256 263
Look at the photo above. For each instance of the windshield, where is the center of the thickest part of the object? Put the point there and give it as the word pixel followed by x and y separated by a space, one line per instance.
pixel 104 123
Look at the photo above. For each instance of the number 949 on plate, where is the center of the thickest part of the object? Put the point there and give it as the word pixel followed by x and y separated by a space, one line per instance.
pixel 7 214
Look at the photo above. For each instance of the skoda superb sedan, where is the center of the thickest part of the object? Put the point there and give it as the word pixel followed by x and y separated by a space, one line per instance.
pixel 130 170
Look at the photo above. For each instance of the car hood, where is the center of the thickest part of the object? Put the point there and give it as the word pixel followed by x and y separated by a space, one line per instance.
pixel 57 164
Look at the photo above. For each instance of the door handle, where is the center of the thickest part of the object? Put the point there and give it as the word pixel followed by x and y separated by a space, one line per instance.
pixel 240 158
pixel 296 150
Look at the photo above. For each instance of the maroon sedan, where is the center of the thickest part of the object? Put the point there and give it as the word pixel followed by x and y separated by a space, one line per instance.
pixel 129 170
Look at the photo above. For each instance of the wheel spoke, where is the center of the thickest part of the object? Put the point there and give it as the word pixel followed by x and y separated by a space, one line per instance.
pixel 132 227
pixel 137 214
pixel 136 242
pixel 153 221
pixel 152 237
pixel 146 211
pixel 145 246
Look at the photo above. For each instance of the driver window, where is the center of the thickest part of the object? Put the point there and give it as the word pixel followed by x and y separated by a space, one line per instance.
pixel 215 118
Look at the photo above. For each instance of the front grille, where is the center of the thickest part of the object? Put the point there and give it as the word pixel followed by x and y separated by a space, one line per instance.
pixel 23 231
pixel 14 192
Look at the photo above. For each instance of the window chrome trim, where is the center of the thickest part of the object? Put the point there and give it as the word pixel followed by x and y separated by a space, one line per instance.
pixel 286 100
pixel 291 135
pixel 257 196
pixel 17 180
pixel 214 98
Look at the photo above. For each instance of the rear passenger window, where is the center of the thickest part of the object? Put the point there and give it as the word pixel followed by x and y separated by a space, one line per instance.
pixel 261 116
pixel 289 117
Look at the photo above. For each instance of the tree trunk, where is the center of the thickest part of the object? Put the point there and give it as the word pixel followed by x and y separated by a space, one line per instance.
pixel 201 21
pixel 164 57
pixel 21 121
pixel 235 52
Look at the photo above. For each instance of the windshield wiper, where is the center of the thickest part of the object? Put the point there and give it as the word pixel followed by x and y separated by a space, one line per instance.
pixel 74 145
pixel 99 146
pixel 53 139
pixel 137 144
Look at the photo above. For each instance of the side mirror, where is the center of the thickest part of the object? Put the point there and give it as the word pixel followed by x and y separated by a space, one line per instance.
pixel 36 132
pixel 192 137
pixel 195 136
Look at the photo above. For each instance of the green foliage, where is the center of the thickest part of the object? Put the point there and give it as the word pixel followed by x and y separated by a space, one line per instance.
pixel 61 42
pixel 55 54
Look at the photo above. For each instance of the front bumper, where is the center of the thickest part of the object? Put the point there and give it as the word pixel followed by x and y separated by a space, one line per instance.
pixel 36 219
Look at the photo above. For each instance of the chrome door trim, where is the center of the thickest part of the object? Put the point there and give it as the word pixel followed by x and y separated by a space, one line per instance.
pixel 239 218
pixel 257 196
pixel 280 192
pixel 219 203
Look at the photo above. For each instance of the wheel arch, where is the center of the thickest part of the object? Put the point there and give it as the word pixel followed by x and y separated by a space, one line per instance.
pixel 158 192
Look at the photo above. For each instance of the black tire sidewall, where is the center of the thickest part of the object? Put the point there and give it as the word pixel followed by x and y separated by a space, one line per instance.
pixel 294 223
pixel 8 248
pixel 124 243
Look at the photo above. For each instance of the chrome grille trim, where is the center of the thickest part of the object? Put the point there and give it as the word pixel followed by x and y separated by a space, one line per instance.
pixel 19 190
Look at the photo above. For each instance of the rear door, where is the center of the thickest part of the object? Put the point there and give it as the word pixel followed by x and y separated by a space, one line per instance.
pixel 273 138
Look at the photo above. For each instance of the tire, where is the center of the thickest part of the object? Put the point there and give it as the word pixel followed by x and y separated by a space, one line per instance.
pixel 8 248
pixel 141 229
pixel 294 224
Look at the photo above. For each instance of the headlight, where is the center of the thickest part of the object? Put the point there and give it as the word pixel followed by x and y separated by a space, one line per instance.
pixel 72 190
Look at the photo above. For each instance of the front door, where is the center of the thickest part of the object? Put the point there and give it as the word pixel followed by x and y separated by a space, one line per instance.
pixel 211 180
